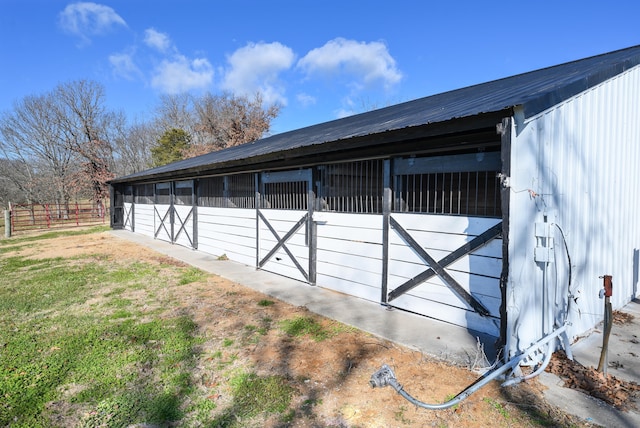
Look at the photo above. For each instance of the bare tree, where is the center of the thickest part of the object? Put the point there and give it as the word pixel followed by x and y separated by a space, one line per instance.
pixel 175 111
pixel 215 122
pixel 226 121
pixel 9 192
pixel 38 163
pixel 87 128
pixel 132 148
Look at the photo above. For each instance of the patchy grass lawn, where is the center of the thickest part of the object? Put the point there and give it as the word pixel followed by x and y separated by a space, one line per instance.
pixel 95 331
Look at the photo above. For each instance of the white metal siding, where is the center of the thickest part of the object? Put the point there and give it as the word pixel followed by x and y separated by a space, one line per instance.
pixel 349 256
pixel 228 231
pixel 578 163
pixel 143 219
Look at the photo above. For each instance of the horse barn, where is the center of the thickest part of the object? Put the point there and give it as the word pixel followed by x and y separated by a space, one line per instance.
pixel 497 207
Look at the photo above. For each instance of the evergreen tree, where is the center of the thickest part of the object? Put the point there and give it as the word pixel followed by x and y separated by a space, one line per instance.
pixel 171 147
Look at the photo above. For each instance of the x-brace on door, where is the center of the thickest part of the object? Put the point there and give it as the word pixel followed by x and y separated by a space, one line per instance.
pixel 286 237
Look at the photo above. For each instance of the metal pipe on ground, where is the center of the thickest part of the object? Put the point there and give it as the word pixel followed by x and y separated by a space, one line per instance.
pixel 385 375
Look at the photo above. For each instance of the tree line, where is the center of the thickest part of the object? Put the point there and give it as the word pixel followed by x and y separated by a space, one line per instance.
pixel 66 144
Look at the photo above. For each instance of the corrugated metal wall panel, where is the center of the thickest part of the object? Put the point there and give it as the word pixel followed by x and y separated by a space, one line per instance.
pixel 578 163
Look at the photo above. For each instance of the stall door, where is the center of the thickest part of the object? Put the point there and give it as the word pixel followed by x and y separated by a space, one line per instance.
pixel 444 241
pixel 285 230
pixel 184 212
pixel 174 213
pixel 128 208
pixel 163 214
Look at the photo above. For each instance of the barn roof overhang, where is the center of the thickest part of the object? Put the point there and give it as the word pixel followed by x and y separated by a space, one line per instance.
pixel 478 131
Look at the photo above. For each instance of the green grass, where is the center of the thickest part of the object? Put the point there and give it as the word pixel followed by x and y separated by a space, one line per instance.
pixel 190 275
pixel 107 362
pixel 43 356
pixel 55 234
pixel 306 326
pixel 253 395
pixel 498 407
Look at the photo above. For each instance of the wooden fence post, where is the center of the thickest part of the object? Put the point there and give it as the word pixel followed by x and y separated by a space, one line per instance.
pixel 7 223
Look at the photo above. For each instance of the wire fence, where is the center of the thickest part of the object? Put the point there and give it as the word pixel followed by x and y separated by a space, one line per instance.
pixel 28 217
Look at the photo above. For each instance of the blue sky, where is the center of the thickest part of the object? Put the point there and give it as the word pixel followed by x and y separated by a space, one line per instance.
pixel 320 60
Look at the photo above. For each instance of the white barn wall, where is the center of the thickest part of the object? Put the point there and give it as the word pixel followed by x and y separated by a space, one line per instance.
pixel 228 231
pixel 349 255
pixel 143 219
pixel 578 163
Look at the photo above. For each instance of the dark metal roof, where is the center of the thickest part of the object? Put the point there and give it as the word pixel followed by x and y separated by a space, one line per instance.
pixel 534 92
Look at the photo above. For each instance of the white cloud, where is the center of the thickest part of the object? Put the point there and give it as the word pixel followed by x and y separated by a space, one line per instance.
pixel 124 66
pixel 305 99
pixel 157 40
pixel 256 67
pixel 86 19
pixel 182 75
pixel 366 62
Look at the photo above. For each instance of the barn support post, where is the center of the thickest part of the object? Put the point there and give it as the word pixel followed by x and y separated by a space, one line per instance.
pixel 134 192
pixel 386 213
pixel 504 130
pixel 194 210
pixel 172 210
pixel 256 180
pixel 312 227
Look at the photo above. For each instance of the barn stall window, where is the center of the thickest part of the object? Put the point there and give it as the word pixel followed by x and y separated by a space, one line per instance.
pixel 128 194
pixel 241 191
pixel 163 193
pixel 233 191
pixel 286 190
pixel 143 194
pixel 465 184
pixel 351 187
pixel 184 192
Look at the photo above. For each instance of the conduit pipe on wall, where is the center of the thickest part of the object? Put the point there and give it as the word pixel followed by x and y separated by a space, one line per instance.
pixel 385 375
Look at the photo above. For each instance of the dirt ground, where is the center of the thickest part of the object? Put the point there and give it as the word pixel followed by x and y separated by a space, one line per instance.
pixel 331 377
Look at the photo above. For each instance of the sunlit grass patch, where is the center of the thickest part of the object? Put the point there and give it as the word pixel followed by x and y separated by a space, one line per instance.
pixel 305 326
pixel 191 274
pixel 254 395
pixel 104 360
pixel 53 234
